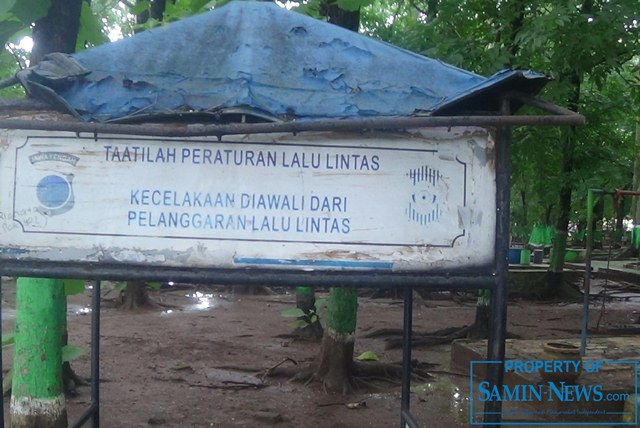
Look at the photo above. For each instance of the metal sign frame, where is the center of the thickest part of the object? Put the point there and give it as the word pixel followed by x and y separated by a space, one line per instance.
pixel 493 277
pixel 416 201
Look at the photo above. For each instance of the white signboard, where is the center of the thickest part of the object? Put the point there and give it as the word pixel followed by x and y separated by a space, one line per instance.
pixel 376 201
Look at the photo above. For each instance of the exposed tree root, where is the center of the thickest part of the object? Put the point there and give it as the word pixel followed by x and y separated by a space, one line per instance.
pixel 370 375
pixel 391 371
pixel 228 384
pixel 70 380
pixel 270 369
pixel 398 332
pixel 439 337
pixel 394 339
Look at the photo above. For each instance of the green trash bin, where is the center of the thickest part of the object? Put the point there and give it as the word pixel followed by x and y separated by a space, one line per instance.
pixel 541 236
pixel 636 237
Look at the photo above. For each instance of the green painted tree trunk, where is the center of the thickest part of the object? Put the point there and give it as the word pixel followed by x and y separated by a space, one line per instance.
pixel 305 298
pixel 342 311
pixel 336 356
pixel 37 397
pixel 335 365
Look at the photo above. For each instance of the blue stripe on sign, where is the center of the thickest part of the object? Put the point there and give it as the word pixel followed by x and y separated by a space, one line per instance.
pixel 322 263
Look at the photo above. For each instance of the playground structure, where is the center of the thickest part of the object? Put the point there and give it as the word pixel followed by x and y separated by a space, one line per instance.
pixel 616 195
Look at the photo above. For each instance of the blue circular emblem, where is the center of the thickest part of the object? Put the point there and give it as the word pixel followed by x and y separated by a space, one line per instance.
pixel 53 191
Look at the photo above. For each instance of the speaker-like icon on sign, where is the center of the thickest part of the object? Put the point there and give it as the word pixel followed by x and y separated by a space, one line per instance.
pixel 424 204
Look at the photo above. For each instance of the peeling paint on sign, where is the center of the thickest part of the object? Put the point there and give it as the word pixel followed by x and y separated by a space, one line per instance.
pixel 329 201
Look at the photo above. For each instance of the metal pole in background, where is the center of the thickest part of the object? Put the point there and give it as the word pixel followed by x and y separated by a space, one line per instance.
pixel 587 274
pixel 406 356
pixel 498 321
pixel 95 353
pixel 93 411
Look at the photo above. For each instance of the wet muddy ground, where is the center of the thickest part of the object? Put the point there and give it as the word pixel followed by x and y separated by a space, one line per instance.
pixel 197 360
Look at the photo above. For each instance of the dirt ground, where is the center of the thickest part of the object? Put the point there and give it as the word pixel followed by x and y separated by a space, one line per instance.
pixel 192 361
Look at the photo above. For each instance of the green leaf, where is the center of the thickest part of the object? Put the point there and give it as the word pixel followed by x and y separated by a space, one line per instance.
pixel 197 6
pixel 120 287
pixel 209 5
pixel 422 388
pixel 90 32
pixel 292 313
pixel 71 352
pixel 298 324
pixel 154 285
pixel 367 356
pixel 8 28
pixel 139 7
pixel 29 11
pixel 311 8
pixel 73 286
pixel 353 5
pixel 319 304
pixel 6 5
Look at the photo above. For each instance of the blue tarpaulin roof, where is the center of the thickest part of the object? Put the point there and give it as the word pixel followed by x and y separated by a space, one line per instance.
pixel 259 56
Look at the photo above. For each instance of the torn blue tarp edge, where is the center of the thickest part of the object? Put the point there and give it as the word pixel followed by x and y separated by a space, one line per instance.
pixel 213 115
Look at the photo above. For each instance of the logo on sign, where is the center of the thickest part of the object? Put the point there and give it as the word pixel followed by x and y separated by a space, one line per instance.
pixel 54 190
pixel 424 203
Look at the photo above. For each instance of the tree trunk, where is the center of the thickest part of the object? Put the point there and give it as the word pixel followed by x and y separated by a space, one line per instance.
pixel 556 263
pixel 37 397
pixel 525 208
pixel 155 11
pixel 555 276
pixel 547 215
pixel 335 363
pixel 621 210
pixel 69 378
pixel 480 327
pixel 598 216
pixel 349 19
pixel 136 296
pixel 58 31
